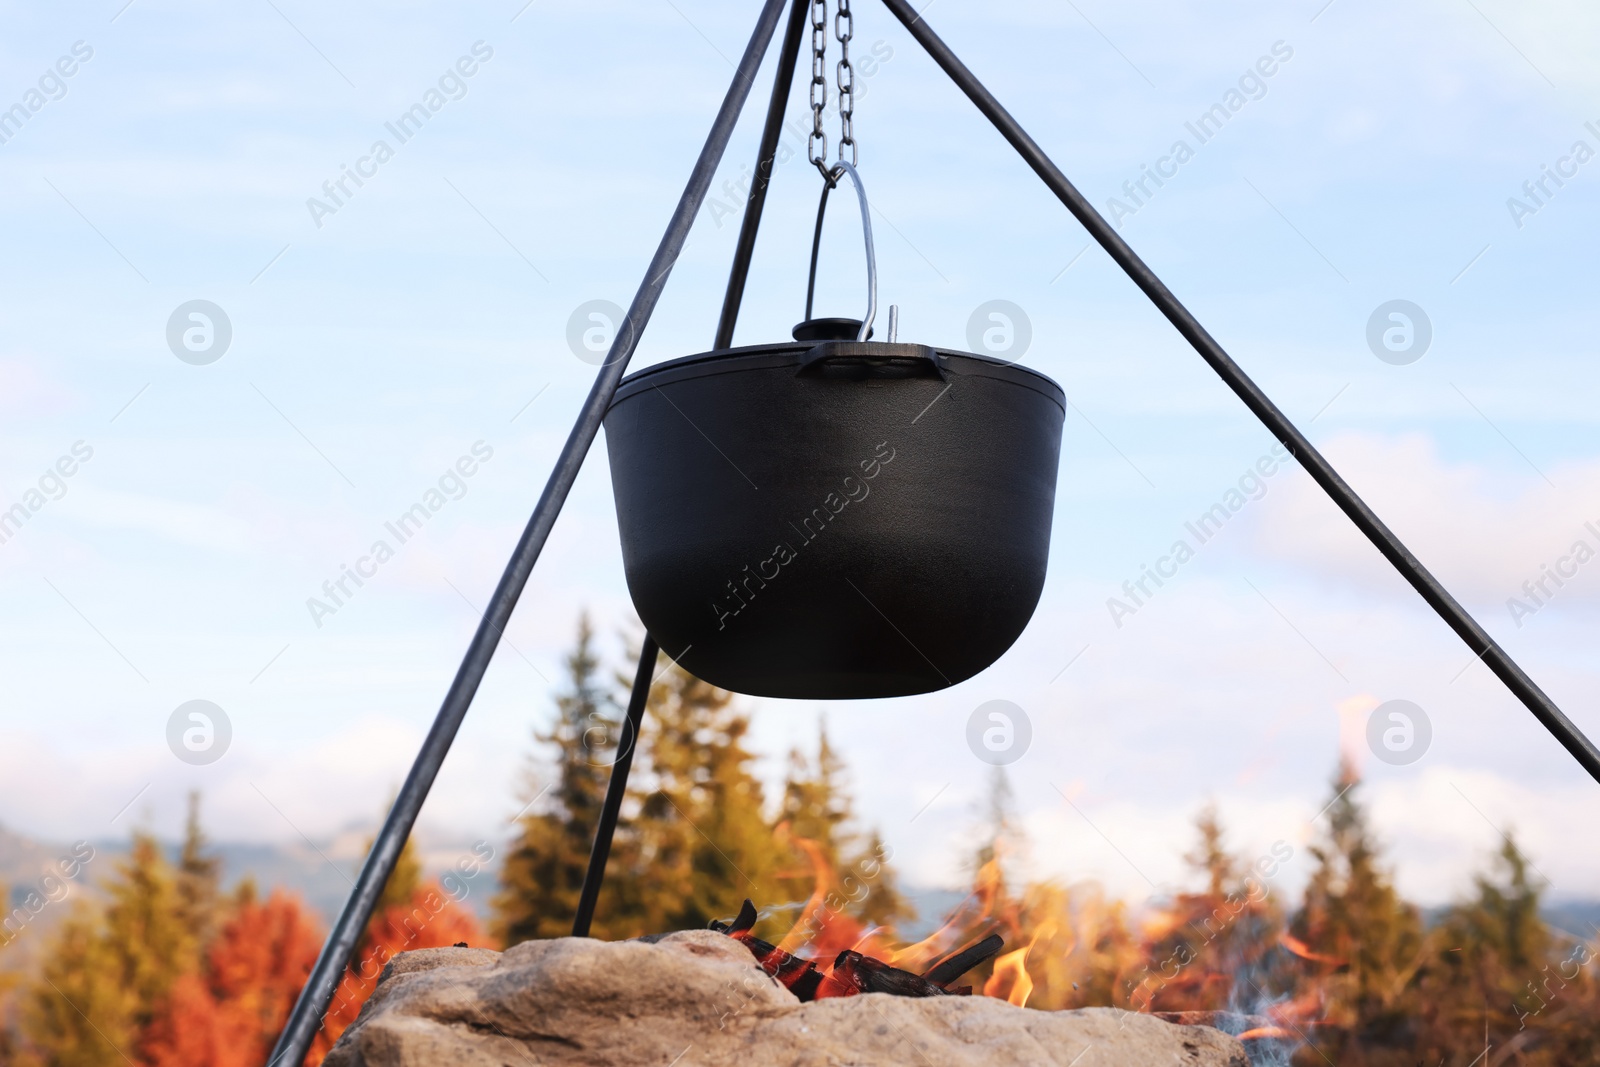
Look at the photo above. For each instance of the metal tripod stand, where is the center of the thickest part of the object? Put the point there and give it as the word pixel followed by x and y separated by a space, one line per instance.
pixel 319 988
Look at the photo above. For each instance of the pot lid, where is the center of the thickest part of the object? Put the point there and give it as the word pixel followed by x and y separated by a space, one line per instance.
pixel 798 356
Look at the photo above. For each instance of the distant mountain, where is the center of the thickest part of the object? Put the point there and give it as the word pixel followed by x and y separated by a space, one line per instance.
pixel 321 872
pixel 1580 918
pixel 33 867
pixel 932 905
pixel 22 859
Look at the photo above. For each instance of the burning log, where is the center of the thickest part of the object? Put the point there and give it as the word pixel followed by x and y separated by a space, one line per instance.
pixel 852 972
pixel 957 964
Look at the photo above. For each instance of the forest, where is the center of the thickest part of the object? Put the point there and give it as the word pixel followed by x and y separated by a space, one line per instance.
pixel 164 966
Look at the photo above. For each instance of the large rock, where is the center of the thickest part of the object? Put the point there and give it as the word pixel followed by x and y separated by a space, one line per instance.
pixel 697 999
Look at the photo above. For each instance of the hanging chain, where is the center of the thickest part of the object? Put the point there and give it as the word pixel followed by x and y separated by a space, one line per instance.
pixel 819 85
pixel 844 28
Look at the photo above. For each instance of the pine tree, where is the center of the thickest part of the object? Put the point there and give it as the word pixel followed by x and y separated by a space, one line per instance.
pixel 817 806
pixel 1493 961
pixel 8 984
pixel 1002 838
pixel 9 980
pixel 199 874
pixel 543 872
pixel 816 800
pixel 1215 949
pixel 1352 912
pixel 885 904
pixel 1210 857
pixel 704 842
pixel 79 1012
pixel 107 976
pixel 145 927
pixel 1504 920
pixel 694 838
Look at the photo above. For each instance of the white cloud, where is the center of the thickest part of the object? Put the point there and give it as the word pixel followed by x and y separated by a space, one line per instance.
pixel 1482 532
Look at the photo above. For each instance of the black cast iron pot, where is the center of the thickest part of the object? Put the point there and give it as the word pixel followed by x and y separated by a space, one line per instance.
pixel 836 519
pixel 839 520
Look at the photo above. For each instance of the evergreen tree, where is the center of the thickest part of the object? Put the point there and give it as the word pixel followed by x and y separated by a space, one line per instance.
pixel 198 876
pixel 704 842
pixel 1493 961
pixel 1351 912
pixel 8 984
pixel 694 838
pixel 79 1012
pixel 816 800
pixel 542 876
pixel 817 806
pixel 1002 840
pixel 885 904
pixel 1504 920
pixel 145 927
pixel 1210 857
pixel 106 977
pixel 1214 951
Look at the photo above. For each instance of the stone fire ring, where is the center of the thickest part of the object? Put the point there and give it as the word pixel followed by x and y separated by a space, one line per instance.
pixel 697 999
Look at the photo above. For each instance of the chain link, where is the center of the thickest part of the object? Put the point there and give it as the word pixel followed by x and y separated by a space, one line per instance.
pixel 819 85
pixel 844 28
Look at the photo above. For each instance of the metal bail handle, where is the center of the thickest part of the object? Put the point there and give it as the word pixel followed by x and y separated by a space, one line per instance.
pixel 839 168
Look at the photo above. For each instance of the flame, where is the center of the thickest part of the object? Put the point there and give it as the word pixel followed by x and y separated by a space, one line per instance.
pixel 823 872
pixel 1011 971
pixel 825 931
pixel 875 941
pixel 1305 952
pixel 922 955
pixel 1091 941
pixel 1268 1031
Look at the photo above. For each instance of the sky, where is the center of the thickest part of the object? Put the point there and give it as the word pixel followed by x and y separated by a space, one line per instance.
pixel 422 316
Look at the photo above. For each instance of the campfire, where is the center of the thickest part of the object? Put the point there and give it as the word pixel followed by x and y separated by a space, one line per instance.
pixel 853 972
pixel 1219 958
pixel 1168 985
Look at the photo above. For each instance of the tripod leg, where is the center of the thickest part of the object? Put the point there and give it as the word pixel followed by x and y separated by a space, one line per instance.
pixel 616 789
pixel 318 991
pixel 1261 406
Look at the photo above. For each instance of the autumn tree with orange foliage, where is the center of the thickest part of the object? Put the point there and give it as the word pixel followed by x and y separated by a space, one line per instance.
pixel 133 982
pixel 229 1013
pixel 411 915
